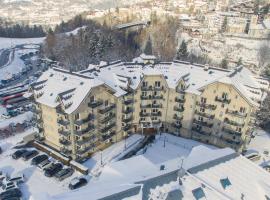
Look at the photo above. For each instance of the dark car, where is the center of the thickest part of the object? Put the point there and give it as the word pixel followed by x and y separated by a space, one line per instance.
pixel 77 183
pixel 53 169
pixel 29 154
pixel 17 154
pixel 64 173
pixel 11 194
pixel 38 159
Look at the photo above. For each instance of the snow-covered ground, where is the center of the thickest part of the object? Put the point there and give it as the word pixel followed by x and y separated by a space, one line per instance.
pixel 6 43
pixel 111 154
pixel 261 144
pixel 27 116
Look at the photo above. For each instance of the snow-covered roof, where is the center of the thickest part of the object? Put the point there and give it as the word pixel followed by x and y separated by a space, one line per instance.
pixel 120 77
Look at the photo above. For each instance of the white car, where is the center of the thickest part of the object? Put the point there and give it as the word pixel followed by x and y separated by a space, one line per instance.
pixel 44 164
pixel 6 116
pixel 9 185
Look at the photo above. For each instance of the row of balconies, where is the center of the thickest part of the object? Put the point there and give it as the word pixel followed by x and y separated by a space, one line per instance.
pixel 233 123
pixel 108 127
pixel 222 100
pixel 107 118
pixel 157 114
pixel 107 109
pixel 84 141
pixel 80 122
pixel 231 131
pixel 151 106
pixel 236 113
pixel 95 104
pixel 151 88
pixel 84 150
pixel 200 131
pixel 206 106
pixel 85 130
pixel 180 100
pixel 150 97
pixel 206 115
pixel 203 123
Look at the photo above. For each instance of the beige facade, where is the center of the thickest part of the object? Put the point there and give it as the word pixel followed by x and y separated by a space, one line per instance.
pixel 217 113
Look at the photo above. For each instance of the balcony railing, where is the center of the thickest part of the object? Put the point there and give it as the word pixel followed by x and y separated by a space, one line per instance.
pixel 64 142
pixel 107 109
pixel 179 100
pixel 65 151
pixel 107 118
pixel 200 131
pixel 64 133
pixel 179 109
pixel 222 100
pixel 79 122
pixel 206 106
pixel 179 118
pixel 127 110
pixel 157 114
pixel 85 150
pixel 128 101
pixel 127 127
pixel 233 123
pixel 126 120
pixel 144 114
pixel 177 126
pixel 63 122
pixel 156 105
pixel 108 127
pixel 84 131
pixel 180 90
pixel 95 104
pixel 202 123
pixel 147 88
pixel 236 113
pixel 232 132
pixel 86 140
pixel 149 97
pixel 204 114
pixel 108 136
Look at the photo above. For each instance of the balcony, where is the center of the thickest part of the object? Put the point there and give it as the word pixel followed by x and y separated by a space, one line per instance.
pixel 156 105
pixel 82 151
pixel 84 131
pixel 149 97
pixel 60 111
pixel 202 114
pixel 178 109
pixel 144 114
pixel 128 101
pixel 229 142
pixel 147 88
pixel 64 142
pixel 146 106
pixel 202 123
pixel 64 133
pixel 107 109
pixel 180 90
pixel 233 123
pixel 65 151
pixel 126 120
pixel 176 117
pixel 127 127
pixel 108 127
pixel 95 104
pixel 156 114
pixel 108 136
pixel 156 122
pixel 200 131
pixel 80 122
pixel 127 110
pixel 179 100
pixel 177 126
pixel 86 140
pixel 63 122
pixel 206 106
pixel 231 131
pixel 222 100
pixel 159 88
pixel 107 118
pixel 157 97
pixel 236 113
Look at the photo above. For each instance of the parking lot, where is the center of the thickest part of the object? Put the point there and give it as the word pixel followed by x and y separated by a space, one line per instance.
pixel 35 181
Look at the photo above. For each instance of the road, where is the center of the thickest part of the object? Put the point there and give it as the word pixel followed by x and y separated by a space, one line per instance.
pixel 4 57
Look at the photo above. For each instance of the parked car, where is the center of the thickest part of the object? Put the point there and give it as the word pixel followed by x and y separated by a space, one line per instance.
pixel 9 185
pixel 77 183
pixel 53 169
pixel 44 164
pixel 17 154
pixel 17 178
pixel 64 173
pixel 6 116
pixel 11 194
pixel 38 159
pixel 29 154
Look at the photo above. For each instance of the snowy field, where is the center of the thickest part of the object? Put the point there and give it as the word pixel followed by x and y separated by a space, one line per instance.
pixel 27 116
pixel 6 43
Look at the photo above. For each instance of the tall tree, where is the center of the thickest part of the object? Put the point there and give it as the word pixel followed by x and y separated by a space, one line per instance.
pixel 182 53
pixel 148 50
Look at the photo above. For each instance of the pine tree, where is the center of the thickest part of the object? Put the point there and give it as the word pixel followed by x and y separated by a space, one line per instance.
pixel 148 50
pixel 182 53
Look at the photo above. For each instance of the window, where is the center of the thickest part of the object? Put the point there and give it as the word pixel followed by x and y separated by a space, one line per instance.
pixel 106 103
pixel 242 110
pixel 155 110
pixel 198 193
pixel 225 183
pixel 203 100
pixel 155 93
pixel 157 84
pixel 238 129
pixel 77 116
pixel 92 99
pixel 225 95
pixel 77 128
pixel 144 94
pixel 200 118
pixel 144 84
pixel 202 110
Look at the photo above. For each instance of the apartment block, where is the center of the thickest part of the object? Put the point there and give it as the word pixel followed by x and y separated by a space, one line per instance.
pixel 79 113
